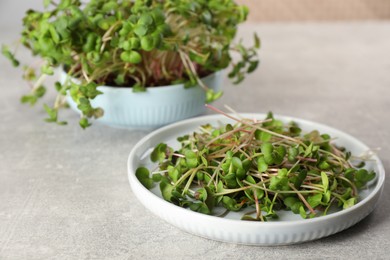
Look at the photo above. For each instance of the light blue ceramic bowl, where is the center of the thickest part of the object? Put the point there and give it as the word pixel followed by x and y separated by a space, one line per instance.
pixel 156 107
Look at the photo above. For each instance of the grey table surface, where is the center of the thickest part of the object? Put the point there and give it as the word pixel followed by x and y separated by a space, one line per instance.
pixel 64 192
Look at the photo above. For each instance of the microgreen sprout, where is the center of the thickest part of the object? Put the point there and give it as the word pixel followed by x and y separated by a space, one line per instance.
pixel 260 166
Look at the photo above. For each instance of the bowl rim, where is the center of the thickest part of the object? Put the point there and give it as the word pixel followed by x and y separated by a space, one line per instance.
pixel 106 88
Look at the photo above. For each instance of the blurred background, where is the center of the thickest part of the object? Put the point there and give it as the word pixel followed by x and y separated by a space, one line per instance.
pixel 317 10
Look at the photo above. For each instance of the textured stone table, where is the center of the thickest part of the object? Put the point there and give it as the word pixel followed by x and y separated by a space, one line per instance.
pixel 64 192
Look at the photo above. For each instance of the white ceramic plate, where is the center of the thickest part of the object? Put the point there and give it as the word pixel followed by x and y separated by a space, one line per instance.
pixel 288 229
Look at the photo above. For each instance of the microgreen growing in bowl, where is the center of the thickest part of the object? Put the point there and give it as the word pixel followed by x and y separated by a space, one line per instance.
pixel 260 166
pixel 131 43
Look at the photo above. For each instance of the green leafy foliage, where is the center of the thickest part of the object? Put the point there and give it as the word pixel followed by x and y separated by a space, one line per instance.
pixel 142 174
pixel 52 113
pixel 9 55
pixel 133 43
pixel 265 166
pixel 159 153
